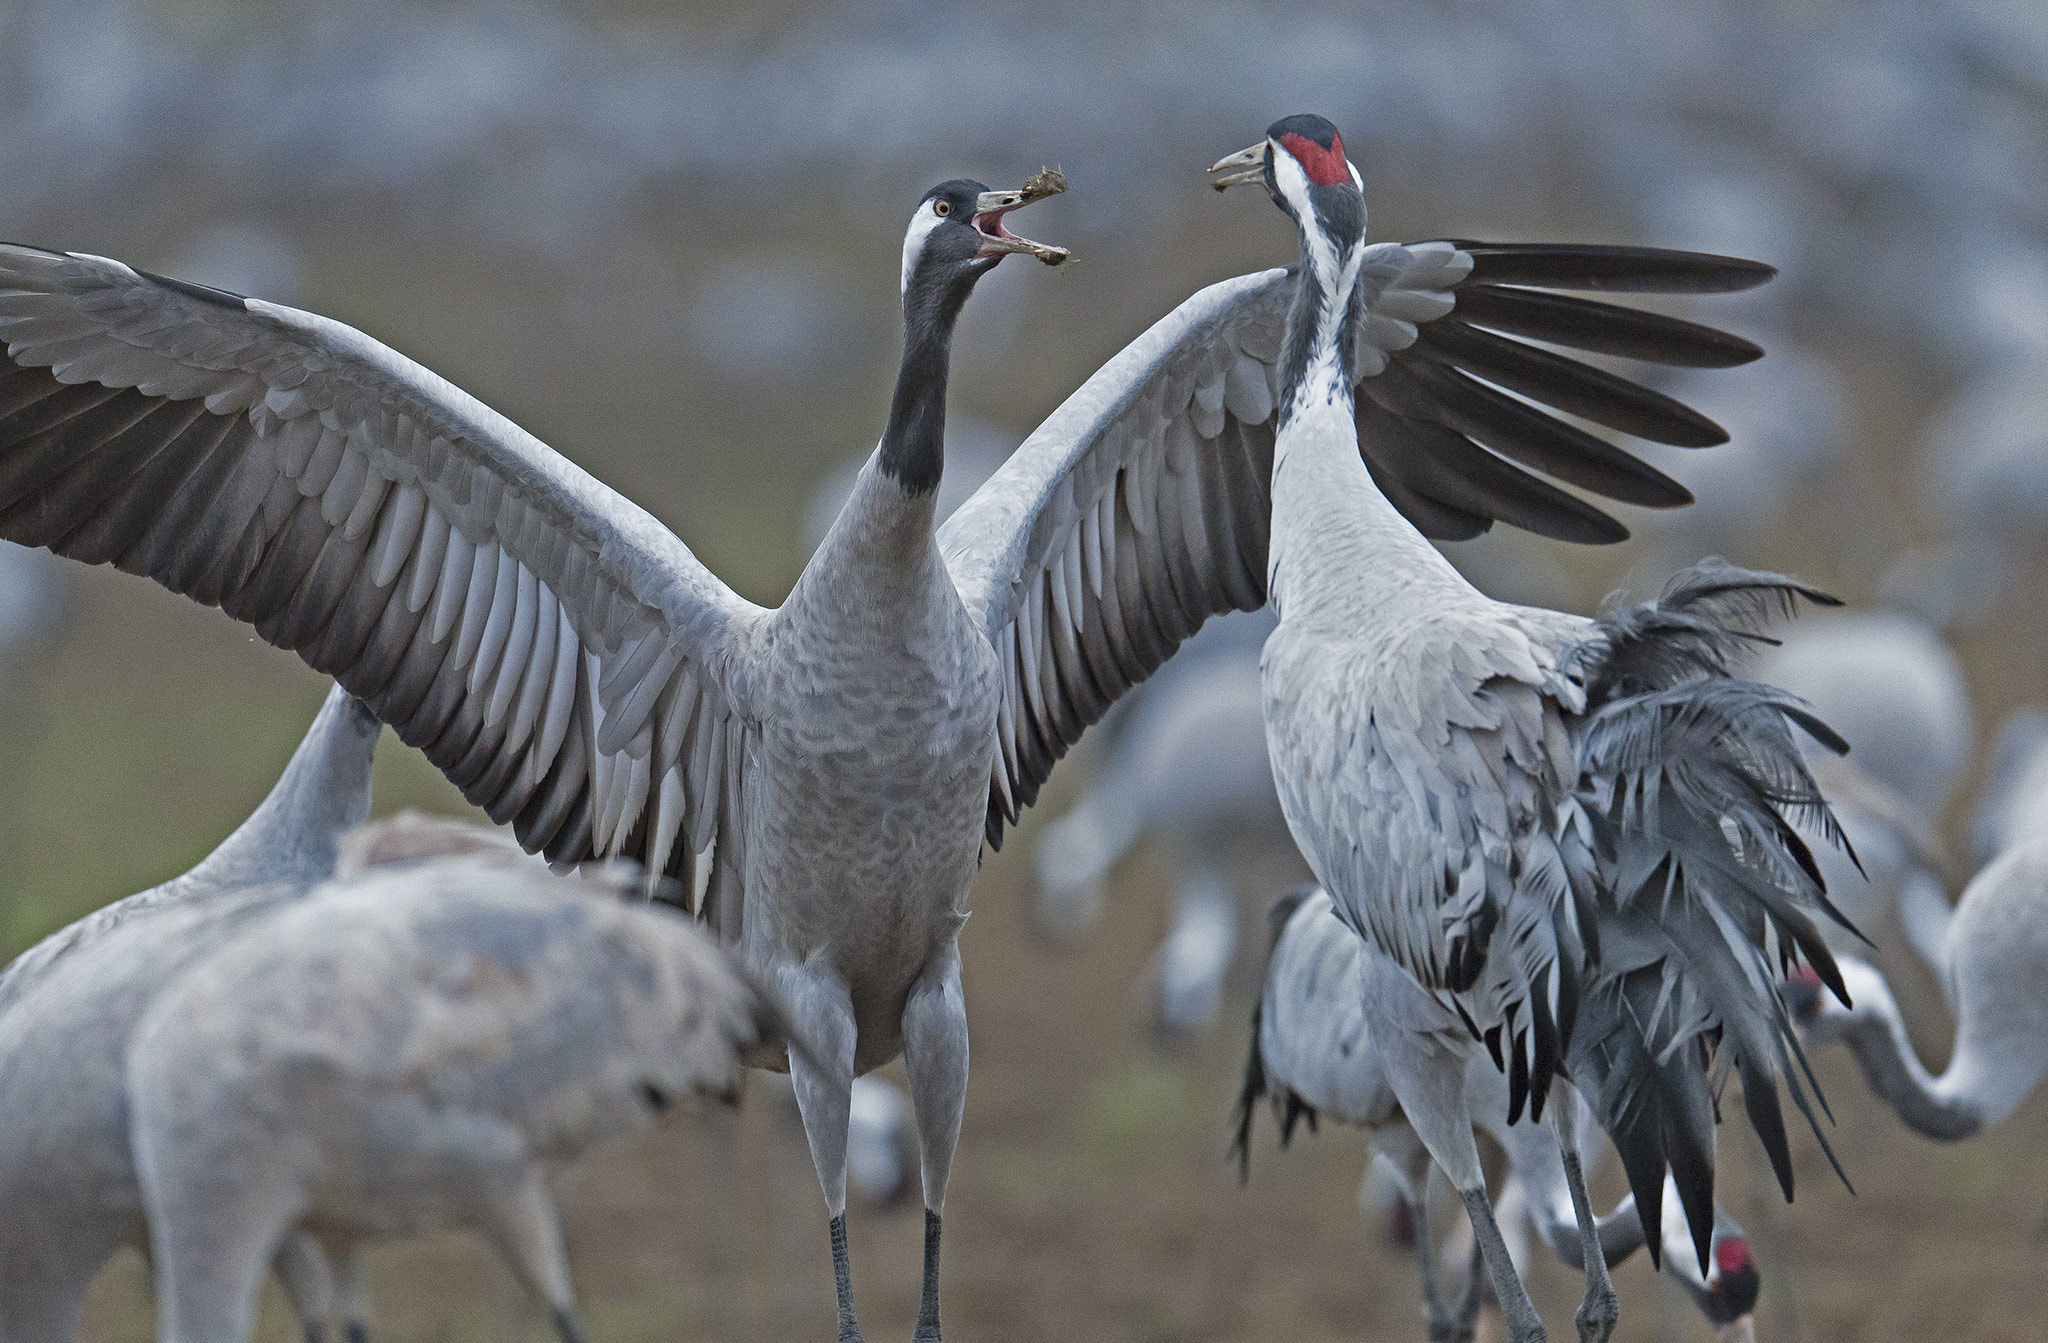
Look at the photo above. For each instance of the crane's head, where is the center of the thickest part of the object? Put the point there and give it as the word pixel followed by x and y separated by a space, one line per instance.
pixel 1302 165
pixel 957 233
pixel 1733 1285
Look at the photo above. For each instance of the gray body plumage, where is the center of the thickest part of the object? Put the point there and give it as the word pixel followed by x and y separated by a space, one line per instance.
pixel 434 1044
pixel 70 1004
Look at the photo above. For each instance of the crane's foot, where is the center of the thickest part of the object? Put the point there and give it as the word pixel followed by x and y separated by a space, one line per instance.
pixel 568 1328
pixel 1597 1317
pixel 355 1331
pixel 926 1333
pixel 1448 1327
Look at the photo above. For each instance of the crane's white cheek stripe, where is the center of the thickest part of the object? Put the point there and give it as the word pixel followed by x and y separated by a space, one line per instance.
pixel 921 225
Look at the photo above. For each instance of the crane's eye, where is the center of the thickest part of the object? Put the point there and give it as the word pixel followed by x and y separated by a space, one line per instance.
pixel 942 208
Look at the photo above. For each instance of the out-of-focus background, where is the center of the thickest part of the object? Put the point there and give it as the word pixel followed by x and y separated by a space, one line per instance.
pixel 664 237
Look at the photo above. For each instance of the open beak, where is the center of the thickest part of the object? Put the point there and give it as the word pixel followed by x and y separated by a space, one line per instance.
pixel 1246 165
pixel 1742 1330
pixel 991 206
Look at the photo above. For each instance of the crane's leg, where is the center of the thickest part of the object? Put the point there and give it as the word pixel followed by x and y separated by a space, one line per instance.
pixel 821 1012
pixel 1600 1310
pixel 351 1294
pixel 1429 1080
pixel 1412 1163
pixel 521 1221
pixel 301 1266
pixel 935 1054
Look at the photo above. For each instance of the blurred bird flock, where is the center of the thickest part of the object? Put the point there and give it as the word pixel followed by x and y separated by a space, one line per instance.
pixel 664 238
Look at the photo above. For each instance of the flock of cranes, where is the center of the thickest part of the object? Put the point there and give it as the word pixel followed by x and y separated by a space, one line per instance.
pixel 1573 875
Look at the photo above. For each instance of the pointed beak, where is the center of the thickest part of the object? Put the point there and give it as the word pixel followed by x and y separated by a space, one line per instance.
pixel 1246 165
pixel 1742 1330
pixel 991 206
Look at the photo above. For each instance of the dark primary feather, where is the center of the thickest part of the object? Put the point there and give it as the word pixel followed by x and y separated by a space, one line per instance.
pixel 1592 266
pixel 1439 424
pixel 1689 780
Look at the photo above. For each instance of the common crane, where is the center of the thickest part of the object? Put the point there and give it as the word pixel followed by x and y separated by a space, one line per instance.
pixel 69 1005
pixel 432 1044
pixel 1538 821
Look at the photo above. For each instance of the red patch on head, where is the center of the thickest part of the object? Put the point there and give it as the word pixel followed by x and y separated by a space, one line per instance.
pixel 1732 1256
pixel 1325 167
pixel 1804 974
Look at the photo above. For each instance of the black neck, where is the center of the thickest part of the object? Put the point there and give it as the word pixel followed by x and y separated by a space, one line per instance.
pixel 914 445
pixel 1340 228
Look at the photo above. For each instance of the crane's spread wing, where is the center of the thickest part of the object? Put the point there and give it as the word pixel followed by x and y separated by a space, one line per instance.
pixel 554 650
pixel 1141 506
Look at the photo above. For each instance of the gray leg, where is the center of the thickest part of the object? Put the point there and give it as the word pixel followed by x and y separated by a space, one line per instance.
pixel 823 1014
pixel 1524 1325
pixel 842 1281
pixel 1441 1319
pixel 351 1294
pixel 1599 1311
pixel 521 1221
pixel 935 1055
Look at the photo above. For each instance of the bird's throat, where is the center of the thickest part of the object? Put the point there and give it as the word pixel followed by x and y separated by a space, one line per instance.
pixel 913 451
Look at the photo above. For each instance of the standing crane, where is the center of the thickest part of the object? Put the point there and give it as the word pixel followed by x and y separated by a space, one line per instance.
pixel 1315 1054
pixel 434 1044
pixel 69 1006
pixel 837 761
pixel 1563 837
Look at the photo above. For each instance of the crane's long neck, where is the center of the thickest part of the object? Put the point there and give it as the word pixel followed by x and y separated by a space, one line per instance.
pixel 1340 550
pixel 913 451
pixel 1944 1108
pixel 324 790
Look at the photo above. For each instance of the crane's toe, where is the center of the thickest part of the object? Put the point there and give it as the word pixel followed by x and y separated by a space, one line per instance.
pixel 1597 1317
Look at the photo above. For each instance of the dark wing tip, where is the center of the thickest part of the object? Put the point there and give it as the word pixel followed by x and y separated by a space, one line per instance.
pixel 1606 266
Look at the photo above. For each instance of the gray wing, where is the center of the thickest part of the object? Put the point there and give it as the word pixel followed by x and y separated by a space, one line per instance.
pixel 1141 506
pixel 554 650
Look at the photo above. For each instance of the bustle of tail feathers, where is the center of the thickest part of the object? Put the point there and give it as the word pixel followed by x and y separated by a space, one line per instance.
pixel 1254 1088
pixel 1687 779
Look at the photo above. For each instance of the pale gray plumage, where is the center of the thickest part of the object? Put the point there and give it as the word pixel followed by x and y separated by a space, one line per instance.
pixel 69 1005
pixel 435 1044
pixel 1316 1055
pixel 1994 960
pixel 1558 834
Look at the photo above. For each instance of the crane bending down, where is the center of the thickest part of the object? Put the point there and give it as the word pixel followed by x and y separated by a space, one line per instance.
pixel 69 1006
pixel 576 671
pixel 1539 822
pixel 1994 961
pixel 1315 1053
pixel 432 1044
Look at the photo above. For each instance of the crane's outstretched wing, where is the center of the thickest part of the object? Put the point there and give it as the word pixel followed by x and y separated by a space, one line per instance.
pixel 1141 506
pixel 554 650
